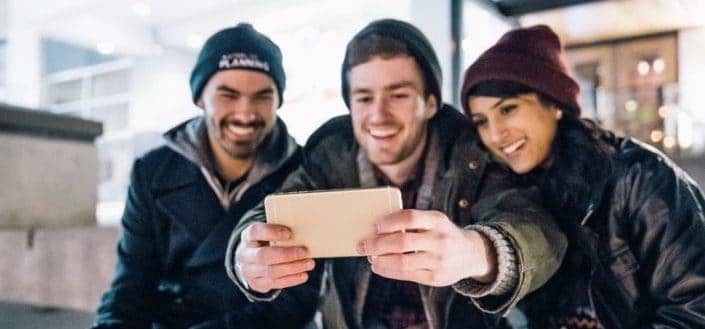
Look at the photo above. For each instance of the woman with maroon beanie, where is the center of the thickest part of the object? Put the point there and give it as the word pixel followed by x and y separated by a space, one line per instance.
pixel 635 221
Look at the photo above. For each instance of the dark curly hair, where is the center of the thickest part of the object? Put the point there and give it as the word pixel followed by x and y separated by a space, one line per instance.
pixel 580 154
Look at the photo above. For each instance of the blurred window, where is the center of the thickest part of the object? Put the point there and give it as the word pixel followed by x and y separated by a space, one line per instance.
pixel 631 87
pixel 99 92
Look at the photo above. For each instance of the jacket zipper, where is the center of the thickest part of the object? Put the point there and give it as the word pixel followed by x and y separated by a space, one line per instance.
pixel 588 214
pixel 592 299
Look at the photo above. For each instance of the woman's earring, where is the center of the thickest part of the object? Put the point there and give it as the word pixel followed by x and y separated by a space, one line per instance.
pixel 559 114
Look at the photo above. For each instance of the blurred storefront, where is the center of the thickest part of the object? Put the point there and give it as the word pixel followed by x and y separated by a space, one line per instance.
pixel 638 62
pixel 631 87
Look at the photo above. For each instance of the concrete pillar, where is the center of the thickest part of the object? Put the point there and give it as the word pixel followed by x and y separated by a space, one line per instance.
pixel 3 35
pixel 3 19
pixel 23 59
pixel 691 76
pixel 433 19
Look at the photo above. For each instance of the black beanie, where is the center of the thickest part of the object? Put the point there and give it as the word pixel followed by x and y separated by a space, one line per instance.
pixel 239 47
pixel 419 47
pixel 529 56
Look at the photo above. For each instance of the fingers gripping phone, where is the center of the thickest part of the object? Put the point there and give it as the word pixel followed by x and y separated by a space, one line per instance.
pixel 331 223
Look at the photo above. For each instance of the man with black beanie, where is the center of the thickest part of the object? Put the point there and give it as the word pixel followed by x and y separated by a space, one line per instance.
pixel 465 233
pixel 186 197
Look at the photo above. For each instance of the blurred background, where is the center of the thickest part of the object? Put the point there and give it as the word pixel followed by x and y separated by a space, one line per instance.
pixel 87 86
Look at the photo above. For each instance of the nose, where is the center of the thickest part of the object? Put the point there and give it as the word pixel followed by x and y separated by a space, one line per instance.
pixel 379 110
pixel 243 111
pixel 498 132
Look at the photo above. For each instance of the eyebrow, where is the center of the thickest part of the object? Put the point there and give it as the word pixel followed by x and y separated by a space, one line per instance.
pixel 264 91
pixel 227 89
pixel 396 85
pixel 499 102
pixel 493 107
pixel 401 84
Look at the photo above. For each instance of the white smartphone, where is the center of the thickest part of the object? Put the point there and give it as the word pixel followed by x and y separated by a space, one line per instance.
pixel 331 223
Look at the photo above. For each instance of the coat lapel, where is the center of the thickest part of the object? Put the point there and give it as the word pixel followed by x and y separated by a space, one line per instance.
pixel 212 248
pixel 184 197
pixel 363 275
pixel 351 277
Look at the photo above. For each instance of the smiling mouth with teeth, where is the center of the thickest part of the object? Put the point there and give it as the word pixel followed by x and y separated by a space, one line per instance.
pixel 511 148
pixel 383 133
pixel 241 131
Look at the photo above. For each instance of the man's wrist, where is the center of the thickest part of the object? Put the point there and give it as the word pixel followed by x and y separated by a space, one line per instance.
pixel 486 272
pixel 239 276
pixel 506 266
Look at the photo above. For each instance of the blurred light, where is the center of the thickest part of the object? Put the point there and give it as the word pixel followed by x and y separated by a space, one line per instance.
pixel 659 65
pixel 631 105
pixel 656 136
pixel 685 142
pixel 600 70
pixel 308 34
pixel 669 142
pixel 643 67
pixel 105 48
pixel 156 49
pixel 141 9
pixel 194 41
pixel 685 130
pixel 663 111
pixel 466 45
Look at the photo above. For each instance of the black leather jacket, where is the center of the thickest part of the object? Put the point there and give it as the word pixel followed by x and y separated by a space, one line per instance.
pixel 639 248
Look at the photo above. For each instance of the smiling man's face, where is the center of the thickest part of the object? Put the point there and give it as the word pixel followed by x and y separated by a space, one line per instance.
pixel 388 107
pixel 240 109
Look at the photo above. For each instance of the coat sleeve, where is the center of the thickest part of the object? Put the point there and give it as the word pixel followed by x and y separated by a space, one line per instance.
pixel 127 303
pixel 294 307
pixel 666 220
pixel 529 231
pixel 306 177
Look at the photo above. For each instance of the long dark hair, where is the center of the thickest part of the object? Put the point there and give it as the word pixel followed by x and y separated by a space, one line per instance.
pixel 580 154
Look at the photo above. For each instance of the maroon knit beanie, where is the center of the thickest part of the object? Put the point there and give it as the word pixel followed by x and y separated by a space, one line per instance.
pixel 529 56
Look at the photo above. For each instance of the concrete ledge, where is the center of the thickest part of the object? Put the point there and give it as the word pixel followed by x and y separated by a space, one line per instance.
pixel 46 124
pixel 49 169
pixel 66 268
pixel 47 182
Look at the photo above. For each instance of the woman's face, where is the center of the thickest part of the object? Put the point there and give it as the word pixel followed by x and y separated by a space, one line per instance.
pixel 518 130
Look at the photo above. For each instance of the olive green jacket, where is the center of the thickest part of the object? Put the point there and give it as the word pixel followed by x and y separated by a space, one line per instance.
pixel 466 186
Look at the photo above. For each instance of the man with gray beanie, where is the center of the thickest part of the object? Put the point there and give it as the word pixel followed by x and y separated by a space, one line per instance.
pixel 466 234
pixel 185 198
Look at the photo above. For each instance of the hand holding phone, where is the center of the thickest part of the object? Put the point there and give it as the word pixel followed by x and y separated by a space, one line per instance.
pixel 331 223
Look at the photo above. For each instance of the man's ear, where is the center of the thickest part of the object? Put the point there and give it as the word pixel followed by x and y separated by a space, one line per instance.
pixel 199 103
pixel 277 99
pixel 431 106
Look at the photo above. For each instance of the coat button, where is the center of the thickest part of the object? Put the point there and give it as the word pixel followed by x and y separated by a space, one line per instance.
pixel 472 165
pixel 462 203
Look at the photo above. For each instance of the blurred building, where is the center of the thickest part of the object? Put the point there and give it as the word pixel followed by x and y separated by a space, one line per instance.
pixel 126 64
